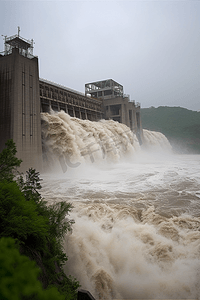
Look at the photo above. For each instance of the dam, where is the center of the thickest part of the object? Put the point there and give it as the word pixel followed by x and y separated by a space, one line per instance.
pixel 24 96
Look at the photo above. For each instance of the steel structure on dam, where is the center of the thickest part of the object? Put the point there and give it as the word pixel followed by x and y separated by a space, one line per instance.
pixel 23 96
pixel 116 105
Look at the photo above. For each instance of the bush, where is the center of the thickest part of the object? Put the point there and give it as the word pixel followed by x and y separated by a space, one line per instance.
pixel 19 218
pixel 18 276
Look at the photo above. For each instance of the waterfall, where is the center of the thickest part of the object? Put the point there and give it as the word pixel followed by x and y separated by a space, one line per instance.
pixel 73 141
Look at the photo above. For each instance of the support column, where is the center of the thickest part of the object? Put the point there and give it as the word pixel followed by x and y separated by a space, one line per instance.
pixel 109 112
pixel 80 113
pixel 123 107
pixel 50 108
pixel 74 112
pixel 86 117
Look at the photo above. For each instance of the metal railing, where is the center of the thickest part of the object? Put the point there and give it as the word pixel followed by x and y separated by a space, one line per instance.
pixel 23 53
pixel 7 39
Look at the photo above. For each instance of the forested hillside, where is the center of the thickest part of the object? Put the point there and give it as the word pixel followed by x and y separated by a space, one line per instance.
pixel 181 126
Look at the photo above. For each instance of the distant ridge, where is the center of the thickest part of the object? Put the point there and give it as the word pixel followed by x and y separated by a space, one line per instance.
pixel 180 125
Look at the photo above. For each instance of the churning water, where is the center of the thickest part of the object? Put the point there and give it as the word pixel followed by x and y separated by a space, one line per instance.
pixel 136 209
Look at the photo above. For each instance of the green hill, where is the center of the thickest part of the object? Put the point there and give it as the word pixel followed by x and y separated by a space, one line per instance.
pixel 181 126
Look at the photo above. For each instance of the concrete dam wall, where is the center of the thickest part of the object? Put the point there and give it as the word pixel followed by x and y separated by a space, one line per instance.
pixel 23 96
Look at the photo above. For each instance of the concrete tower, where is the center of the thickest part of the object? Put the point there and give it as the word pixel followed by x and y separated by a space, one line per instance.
pixel 20 101
pixel 116 105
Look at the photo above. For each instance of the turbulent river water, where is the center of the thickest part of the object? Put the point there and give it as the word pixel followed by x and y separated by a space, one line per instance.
pixel 136 209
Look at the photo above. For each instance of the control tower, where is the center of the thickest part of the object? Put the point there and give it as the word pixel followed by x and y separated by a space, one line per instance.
pixel 116 105
pixel 104 89
pixel 20 101
pixel 25 46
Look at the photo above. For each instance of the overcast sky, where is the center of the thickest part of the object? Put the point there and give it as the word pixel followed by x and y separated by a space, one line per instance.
pixel 152 48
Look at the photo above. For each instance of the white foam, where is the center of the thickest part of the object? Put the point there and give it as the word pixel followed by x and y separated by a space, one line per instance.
pixel 136 210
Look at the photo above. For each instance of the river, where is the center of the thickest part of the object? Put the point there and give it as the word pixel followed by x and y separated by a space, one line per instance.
pixel 136 209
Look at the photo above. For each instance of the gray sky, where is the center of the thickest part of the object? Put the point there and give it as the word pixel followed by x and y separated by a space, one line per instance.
pixel 152 48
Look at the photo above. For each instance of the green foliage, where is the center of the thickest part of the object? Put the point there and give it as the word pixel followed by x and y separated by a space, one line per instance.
pixel 31 185
pixel 19 219
pixel 181 126
pixel 9 162
pixel 58 226
pixel 18 276
pixel 38 228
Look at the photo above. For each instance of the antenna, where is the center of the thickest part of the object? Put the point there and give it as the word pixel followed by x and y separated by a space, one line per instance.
pixel 18 30
pixel 5 48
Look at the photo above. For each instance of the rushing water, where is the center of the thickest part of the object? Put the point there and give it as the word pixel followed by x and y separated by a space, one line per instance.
pixel 136 210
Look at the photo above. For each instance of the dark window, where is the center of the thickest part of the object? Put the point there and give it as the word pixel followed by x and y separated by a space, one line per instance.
pixel 115 109
pixel 108 92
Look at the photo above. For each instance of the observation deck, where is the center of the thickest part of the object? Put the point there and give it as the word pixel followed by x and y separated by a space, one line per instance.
pixel 16 41
pixel 104 89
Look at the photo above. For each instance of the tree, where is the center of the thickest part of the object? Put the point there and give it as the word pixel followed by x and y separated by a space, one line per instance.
pixel 30 185
pixel 9 162
pixel 18 276
pixel 19 218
